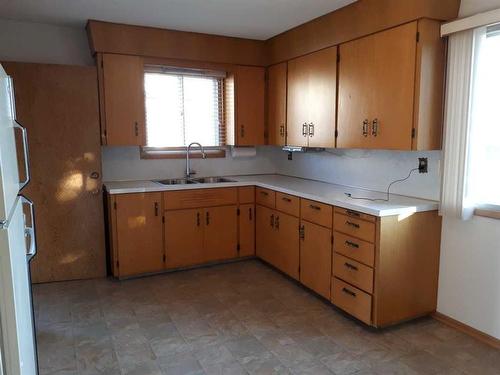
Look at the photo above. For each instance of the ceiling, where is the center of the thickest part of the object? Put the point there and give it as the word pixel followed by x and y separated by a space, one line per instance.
pixel 255 19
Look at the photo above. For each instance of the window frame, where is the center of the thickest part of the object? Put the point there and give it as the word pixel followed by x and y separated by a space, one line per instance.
pixel 207 70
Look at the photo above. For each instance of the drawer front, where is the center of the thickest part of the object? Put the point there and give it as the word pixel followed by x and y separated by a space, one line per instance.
pixel 265 197
pixel 289 204
pixel 354 248
pixel 353 272
pixel 196 198
pixel 246 194
pixel 355 214
pixel 355 227
pixel 352 300
pixel 316 212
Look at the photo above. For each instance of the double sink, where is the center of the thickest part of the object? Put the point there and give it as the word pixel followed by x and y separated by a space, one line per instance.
pixel 187 181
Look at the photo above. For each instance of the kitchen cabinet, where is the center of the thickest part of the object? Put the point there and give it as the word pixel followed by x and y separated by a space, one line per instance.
pixel 137 234
pixel 311 104
pixel 246 222
pixel 245 102
pixel 390 89
pixel 220 233
pixel 276 104
pixel 265 237
pixel 316 257
pixel 121 92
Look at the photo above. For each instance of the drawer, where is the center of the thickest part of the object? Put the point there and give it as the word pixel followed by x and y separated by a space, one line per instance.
pixel 288 204
pixel 196 198
pixel 265 197
pixel 353 272
pixel 354 248
pixel 354 227
pixel 316 212
pixel 246 194
pixel 352 300
pixel 355 214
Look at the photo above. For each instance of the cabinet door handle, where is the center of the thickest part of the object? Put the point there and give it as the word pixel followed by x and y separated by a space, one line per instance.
pixel 353 213
pixel 272 221
pixel 282 130
pixel 302 232
pixel 304 129
pixel 136 129
pixel 350 292
pixel 375 127
pixel 242 131
pixel 250 216
pixel 277 222
pixel 365 128
pixel 311 129
pixel 286 199
pixel 314 207
pixel 352 267
pixel 197 219
pixel 351 224
pixel 207 218
pixel 352 244
pixel 264 193
pixel 157 206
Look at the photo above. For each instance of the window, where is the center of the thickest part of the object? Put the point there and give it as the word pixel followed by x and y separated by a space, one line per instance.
pixel 183 106
pixel 483 168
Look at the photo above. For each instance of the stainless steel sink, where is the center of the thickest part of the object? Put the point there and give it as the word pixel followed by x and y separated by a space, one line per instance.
pixel 212 180
pixel 176 181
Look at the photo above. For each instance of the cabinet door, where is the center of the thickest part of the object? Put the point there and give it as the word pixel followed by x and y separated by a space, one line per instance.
pixel 247 230
pixel 376 85
pixel 139 233
pixel 220 240
pixel 276 101
pixel 322 66
pixel 265 234
pixel 287 244
pixel 316 258
pixel 297 102
pixel 184 237
pixel 123 90
pixel 250 98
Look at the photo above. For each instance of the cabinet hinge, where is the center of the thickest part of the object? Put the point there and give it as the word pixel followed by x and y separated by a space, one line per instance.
pixel 413 133
pixel 238 212
pixel 331 240
pixel 338 57
pixel 336 133
pixel 299 270
pixel 114 205
pixel 418 36
pixel 238 247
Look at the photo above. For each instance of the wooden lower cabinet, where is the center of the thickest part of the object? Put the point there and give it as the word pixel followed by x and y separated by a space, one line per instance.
pixel 316 257
pixel 352 300
pixel 137 234
pixel 246 225
pixel 220 233
pixel 286 233
pixel 264 234
pixel 184 238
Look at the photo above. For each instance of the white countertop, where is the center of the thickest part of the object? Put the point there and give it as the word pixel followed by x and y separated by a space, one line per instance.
pixel 323 192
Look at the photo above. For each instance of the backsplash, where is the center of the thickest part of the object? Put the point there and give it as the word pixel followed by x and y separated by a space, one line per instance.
pixel 372 170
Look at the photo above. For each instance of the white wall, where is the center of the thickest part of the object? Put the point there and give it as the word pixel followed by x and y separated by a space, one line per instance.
pixel 41 43
pixel 469 280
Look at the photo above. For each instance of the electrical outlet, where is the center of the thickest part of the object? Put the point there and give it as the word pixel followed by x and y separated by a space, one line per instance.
pixel 290 156
pixel 423 165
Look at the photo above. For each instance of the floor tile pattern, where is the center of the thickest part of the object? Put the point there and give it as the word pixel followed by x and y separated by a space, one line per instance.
pixel 238 318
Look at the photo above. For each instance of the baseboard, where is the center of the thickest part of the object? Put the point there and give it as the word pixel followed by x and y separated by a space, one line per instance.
pixel 468 330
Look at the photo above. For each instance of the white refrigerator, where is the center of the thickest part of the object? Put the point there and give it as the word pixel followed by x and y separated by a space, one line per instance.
pixel 17 246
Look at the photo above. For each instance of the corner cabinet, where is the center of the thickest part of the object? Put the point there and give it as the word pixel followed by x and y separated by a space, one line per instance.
pixel 391 88
pixel 312 88
pixel 121 96
pixel 245 100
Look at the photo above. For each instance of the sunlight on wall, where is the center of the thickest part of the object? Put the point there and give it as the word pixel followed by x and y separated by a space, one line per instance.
pixel 70 186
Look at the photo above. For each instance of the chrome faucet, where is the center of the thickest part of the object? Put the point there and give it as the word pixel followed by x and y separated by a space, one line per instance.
pixel 188 150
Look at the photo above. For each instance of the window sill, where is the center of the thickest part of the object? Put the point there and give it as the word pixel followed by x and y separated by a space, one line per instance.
pixel 179 153
pixel 487 212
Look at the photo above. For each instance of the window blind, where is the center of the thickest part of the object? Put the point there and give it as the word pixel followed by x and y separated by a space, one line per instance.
pixel 184 106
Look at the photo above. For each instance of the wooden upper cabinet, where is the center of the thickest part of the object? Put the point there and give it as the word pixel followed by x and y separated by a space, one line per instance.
pixel 139 233
pixel 245 98
pixel 311 106
pixel 276 104
pixel 121 88
pixel 390 89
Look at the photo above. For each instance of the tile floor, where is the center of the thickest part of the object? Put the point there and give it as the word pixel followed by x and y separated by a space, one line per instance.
pixel 239 318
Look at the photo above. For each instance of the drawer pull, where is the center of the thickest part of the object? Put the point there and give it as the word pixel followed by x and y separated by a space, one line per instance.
pixel 157 209
pixel 250 216
pixel 351 224
pixel 353 213
pixel 198 219
pixel 352 267
pixel 350 292
pixel 207 218
pixel 352 244
pixel 286 199
pixel 264 193
pixel 277 222
pixel 317 208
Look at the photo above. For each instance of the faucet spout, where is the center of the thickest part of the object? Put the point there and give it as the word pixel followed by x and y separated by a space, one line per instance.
pixel 188 150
